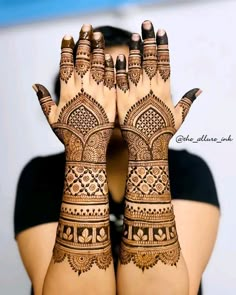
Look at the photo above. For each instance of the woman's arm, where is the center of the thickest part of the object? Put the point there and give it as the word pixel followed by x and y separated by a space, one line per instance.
pixel 83 121
pixel 151 261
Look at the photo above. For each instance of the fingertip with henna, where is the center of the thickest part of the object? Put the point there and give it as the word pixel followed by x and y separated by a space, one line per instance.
pixel 40 90
pixel 193 94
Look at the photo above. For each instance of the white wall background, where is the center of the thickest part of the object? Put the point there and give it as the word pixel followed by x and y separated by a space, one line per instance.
pixel 203 45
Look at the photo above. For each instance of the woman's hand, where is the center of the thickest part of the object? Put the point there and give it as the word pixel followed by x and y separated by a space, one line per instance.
pixel 144 96
pixel 85 116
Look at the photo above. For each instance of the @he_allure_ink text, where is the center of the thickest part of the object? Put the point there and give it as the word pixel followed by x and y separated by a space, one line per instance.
pixel 203 138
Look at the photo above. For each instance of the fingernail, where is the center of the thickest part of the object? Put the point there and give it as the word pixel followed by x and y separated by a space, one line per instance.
pixel 40 90
pixel 86 32
pixel 162 38
pixel 147 30
pixel 120 62
pixel 98 40
pixel 193 94
pixel 109 61
pixel 135 42
pixel 67 42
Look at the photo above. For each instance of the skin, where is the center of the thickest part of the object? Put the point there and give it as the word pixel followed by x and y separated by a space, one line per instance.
pixel 40 239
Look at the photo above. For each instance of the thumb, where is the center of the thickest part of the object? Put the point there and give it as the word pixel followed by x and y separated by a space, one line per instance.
pixel 183 106
pixel 45 100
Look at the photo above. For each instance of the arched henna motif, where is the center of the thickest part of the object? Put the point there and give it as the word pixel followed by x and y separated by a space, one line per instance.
pixel 149 233
pixel 83 234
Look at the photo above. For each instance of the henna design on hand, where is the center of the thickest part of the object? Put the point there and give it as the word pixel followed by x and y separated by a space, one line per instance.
pixel 109 76
pixel 66 64
pixel 163 59
pixel 121 75
pixel 82 63
pixel 84 128
pixel 149 50
pixel 149 226
pixel 134 64
pixel 98 59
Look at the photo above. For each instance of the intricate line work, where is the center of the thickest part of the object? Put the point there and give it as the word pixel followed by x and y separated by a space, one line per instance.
pixel 82 63
pixel 86 243
pixel 98 65
pixel 148 180
pixel 149 258
pixel 163 61
pixel 89 181
pixel 185 104
pixel 46 104
pixel 66 64
pixel 122 80
pixel 109 79
pixel 150 57
pixel 83 234
pixel 149 233
pixel 134 71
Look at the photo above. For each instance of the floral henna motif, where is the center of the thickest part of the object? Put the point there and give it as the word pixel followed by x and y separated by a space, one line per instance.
pixel 149 233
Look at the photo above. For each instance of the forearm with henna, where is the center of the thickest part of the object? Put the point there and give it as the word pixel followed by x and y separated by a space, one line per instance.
pixel 84 124
pixel 148 121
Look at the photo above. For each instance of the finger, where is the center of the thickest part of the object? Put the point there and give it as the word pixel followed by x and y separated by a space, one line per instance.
pixel 121 74
pixel 98 58
pixel 149 51
pixel 83 52
pixel 134 64
pixel 183 106
pixel 66 63
pixel 46 102
pixel 163 59
pixel 109 76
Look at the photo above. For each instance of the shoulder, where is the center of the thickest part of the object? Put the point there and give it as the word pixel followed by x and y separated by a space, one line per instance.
pixel 191 177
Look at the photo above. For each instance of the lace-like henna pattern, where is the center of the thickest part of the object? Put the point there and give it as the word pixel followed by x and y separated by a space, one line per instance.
pixel 121 75
pixel 66 64
pixel 134 66
pixel 185 103
pixel 149 233
pixel 83 234
pixel 150 57
pixel 163 61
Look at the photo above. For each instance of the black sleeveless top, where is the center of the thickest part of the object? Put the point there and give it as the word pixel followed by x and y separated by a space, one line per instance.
pixel 40 188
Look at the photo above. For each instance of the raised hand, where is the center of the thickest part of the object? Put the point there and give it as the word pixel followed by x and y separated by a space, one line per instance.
pixel 148 121
pixel 83 121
